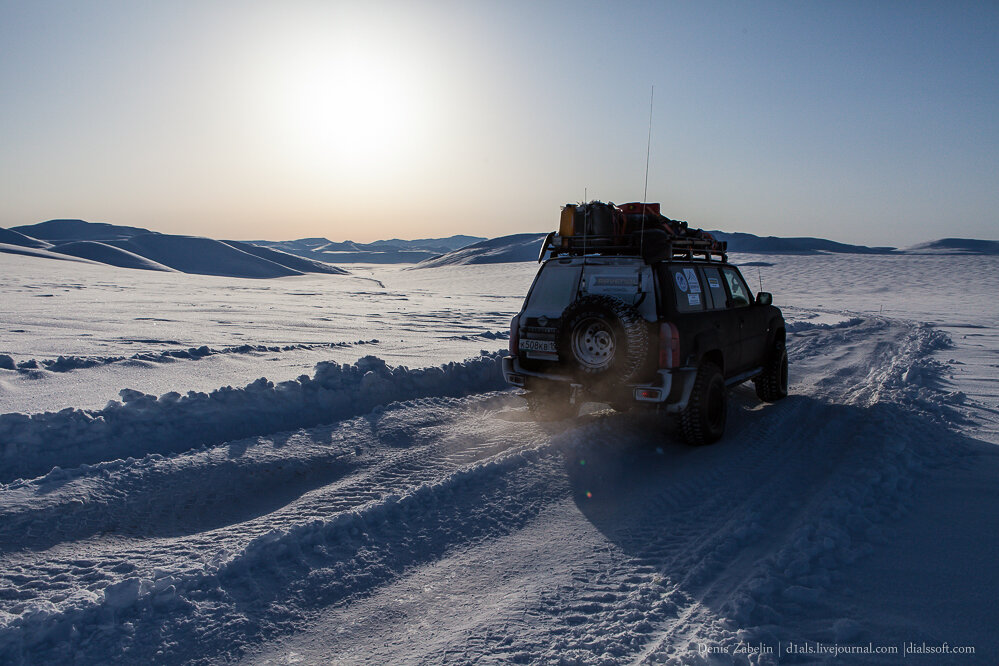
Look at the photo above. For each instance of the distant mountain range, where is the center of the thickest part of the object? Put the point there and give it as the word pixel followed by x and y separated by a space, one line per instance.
pixel 393 251
pixel 526 247
pixel 742 242
pixel 134 247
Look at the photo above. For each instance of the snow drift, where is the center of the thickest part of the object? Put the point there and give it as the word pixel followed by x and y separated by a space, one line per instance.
pixel 141 424
pixel 71 362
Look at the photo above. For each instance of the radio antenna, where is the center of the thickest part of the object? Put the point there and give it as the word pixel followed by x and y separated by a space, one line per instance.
pixel 645 192
pixel 648 151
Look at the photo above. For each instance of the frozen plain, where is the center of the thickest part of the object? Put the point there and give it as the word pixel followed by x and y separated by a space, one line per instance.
pixel 373 514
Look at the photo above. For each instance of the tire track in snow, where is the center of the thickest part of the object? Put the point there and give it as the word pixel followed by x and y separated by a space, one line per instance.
pixel 699 545
pixel 866 453
pixel 695 546
pixel 460 472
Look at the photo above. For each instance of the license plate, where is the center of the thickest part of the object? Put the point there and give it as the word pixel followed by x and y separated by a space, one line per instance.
pixel 538 345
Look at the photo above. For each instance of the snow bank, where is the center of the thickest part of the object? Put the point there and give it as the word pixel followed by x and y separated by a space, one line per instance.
pixel 69 363
pixel 140 424
pixel 485 335
pixel 799 326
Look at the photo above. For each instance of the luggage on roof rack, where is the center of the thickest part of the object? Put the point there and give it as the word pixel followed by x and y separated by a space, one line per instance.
pixel 630 229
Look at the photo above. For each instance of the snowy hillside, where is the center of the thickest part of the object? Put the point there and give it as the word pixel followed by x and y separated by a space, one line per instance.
pixel 206 469
pixel 132 247
pixel 956 246
pixel 505 249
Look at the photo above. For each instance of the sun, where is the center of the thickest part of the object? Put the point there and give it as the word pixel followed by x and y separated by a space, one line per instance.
pixel 348 109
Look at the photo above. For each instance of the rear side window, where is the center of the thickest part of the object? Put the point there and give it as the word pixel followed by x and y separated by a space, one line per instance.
pixel 736 286
pixel 687 288
pixel 714 287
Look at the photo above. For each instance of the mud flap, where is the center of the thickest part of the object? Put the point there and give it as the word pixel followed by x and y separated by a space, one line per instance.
pixel 689 375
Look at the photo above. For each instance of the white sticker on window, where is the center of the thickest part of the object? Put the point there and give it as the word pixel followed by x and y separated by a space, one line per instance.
pixel 681 282
pixel 695 286
pixel 693 299
pixel 713 283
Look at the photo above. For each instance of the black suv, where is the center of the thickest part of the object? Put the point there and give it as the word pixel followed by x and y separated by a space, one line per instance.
pixel 644 318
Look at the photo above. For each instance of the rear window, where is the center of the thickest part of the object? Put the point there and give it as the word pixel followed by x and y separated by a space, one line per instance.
pixel 554 288
pixel 687 288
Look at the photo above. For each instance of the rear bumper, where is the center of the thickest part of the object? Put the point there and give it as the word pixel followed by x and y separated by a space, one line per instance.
pixel 679 382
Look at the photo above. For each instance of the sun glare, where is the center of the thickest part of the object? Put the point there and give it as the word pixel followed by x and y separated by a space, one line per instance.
pixel 348 110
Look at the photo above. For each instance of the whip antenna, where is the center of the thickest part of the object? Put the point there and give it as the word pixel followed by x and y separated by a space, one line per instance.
pixel 645 192
pixel 648 151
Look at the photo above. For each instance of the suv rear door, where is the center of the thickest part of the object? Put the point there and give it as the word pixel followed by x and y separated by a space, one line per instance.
pixel 725 319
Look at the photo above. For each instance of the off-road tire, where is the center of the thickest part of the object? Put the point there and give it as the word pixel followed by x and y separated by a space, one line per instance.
pixel 549 401
pixel 703 421
pixel 603 338
pixel 771 385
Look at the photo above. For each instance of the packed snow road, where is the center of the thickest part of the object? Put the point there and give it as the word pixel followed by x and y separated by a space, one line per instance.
pixel 456 529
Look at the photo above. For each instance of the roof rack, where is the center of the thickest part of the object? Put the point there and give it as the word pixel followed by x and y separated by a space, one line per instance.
pixel 652 247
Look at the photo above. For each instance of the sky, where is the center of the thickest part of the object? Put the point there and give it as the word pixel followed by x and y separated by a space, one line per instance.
pixel 864 122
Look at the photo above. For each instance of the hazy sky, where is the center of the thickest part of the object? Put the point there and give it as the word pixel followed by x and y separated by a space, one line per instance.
pixel 871 122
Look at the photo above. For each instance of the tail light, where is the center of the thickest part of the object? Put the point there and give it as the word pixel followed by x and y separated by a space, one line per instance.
pixel 669 346
pixel 514 335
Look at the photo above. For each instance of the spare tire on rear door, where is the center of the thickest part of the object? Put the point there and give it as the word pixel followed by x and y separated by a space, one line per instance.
pixel 604 337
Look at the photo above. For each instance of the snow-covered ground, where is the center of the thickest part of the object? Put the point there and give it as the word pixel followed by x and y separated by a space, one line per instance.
pixel 349 510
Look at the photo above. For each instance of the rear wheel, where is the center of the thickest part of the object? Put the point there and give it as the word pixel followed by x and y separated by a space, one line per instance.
pixel 549 401
pixel 703 421
pixel 771 385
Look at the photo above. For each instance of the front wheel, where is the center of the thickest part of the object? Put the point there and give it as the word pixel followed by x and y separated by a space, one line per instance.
pixel 771 385
pixel 703 421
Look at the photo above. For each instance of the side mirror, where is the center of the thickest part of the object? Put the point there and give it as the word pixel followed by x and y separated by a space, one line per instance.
pixel 764 298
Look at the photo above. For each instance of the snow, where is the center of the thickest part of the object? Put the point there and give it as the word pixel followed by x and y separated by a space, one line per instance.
pixel 518 247
pixel 956 246
pixel 380 497
pixel 132 247
pixel 11 237
pixel 108 254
